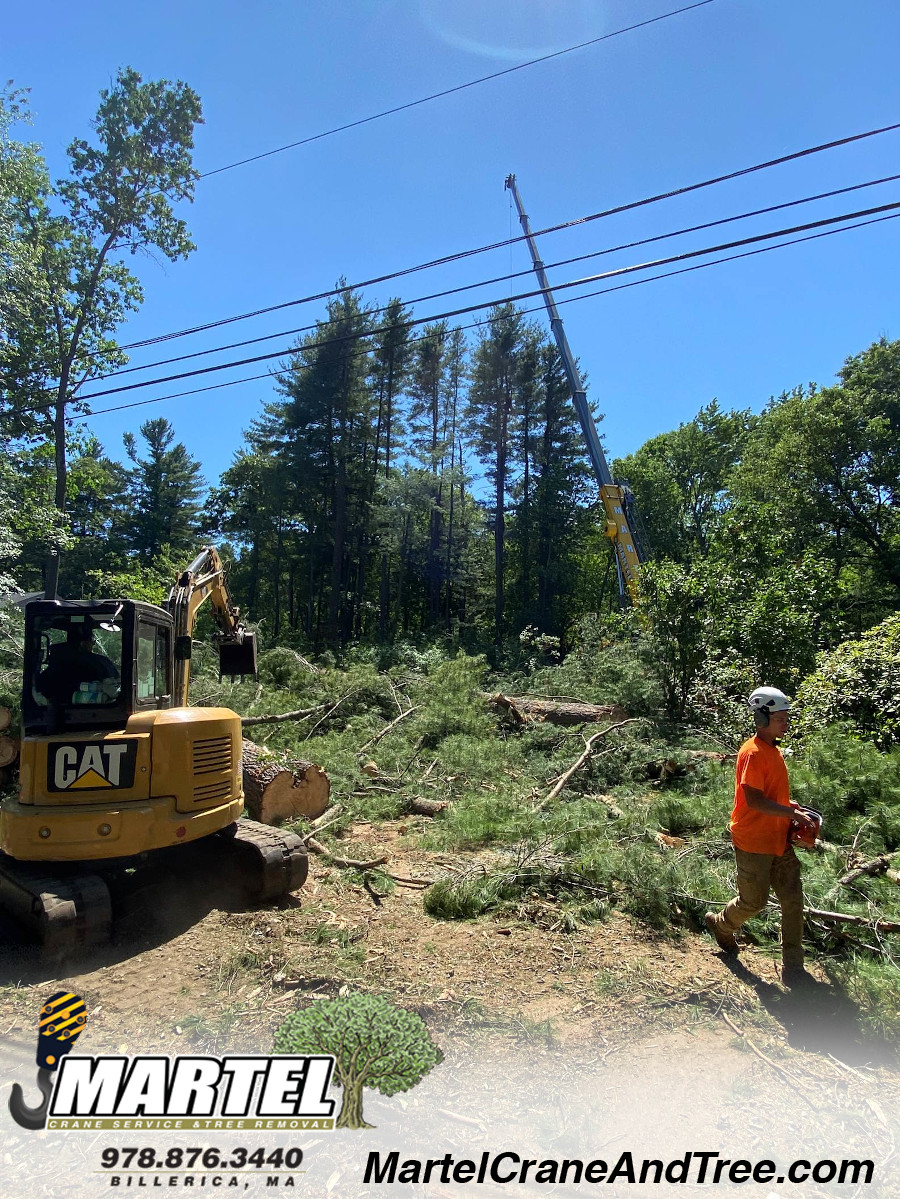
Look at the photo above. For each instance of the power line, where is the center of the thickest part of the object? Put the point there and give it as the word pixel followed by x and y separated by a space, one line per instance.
pixel 526 311
pixel 462 254
pixel 460 87
pixel 619 271
pixel 130 370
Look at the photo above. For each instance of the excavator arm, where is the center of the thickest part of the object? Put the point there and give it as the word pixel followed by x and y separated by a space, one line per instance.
pixel 205 579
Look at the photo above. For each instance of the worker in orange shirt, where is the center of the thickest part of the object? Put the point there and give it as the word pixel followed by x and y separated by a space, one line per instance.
pixel 760 831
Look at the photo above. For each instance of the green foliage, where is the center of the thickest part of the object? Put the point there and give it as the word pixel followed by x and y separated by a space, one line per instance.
pixel 853 784
pixel 873 987
pixel 119 196
pixel 164 494
pixel 857 683
pixel 679 480
pixel 675 602
pixel 607 664
pixel 375 1044
pixel 452 702
pixel 149 582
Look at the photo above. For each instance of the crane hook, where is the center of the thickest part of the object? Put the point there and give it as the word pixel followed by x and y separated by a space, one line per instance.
pixel 60 1025
pixel 31 1117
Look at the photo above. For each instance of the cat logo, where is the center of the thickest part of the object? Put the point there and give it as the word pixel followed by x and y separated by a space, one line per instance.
pixel 91 765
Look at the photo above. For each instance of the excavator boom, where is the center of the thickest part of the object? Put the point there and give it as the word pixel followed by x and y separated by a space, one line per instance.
pixel 616 499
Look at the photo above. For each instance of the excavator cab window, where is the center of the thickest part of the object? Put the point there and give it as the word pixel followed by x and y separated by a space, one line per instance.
pixel 73 665
pixel 90 664
pixel 153 676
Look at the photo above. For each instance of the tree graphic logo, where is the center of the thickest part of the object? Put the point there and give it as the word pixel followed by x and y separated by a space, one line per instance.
pixel 375 1044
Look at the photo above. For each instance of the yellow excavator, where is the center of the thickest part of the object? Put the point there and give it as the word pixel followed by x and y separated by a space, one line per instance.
pixel 117 769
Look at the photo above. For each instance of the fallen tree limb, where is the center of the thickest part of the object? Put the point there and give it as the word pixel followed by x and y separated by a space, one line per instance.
pixel 878 865
pixel 5 719
pixel 615 812
pixel 667 768
pixel 585 757
pixel 327 816
pixel 522 708
pixel 281 717
pixel 320 828
pixel 349 863
pixel 882 926
pixel 387 728
pixel 276 790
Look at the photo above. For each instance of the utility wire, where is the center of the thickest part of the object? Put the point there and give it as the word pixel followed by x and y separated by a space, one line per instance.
pixel 490 320
pixel 436 295
pixel 460 87
pixel 462 254
pixel 626 270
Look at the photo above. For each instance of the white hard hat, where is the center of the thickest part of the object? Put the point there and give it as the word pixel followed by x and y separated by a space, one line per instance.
pixel 769 699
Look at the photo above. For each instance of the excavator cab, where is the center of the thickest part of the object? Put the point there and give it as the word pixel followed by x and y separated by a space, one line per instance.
pixel 90 664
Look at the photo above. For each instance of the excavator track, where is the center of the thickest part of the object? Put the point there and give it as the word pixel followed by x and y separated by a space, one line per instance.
pixel 271 862
pixel 66 912
pixel 72 910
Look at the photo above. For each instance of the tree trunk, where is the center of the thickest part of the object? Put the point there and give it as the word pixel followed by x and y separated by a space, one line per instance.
pixel 554 711
pixel 277 790
pixel 351 1115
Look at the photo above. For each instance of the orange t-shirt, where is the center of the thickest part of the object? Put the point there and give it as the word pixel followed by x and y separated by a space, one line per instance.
pixel 761 766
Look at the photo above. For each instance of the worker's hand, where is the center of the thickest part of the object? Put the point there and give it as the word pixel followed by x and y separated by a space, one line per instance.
pixel 801 819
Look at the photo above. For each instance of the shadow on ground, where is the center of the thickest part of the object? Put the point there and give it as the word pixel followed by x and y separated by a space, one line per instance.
pixel 818 1018
pixel 149 909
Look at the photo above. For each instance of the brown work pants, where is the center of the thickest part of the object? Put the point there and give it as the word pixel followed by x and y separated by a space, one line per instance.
pixel 756 873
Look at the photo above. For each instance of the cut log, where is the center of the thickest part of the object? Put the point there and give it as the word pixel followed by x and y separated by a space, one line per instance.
pixel 5 719
pixel 417 805
pixel 276 789
pixel 9 750
pixel 522 708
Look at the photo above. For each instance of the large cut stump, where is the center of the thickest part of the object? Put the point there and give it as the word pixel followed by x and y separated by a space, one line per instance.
pixel 276 789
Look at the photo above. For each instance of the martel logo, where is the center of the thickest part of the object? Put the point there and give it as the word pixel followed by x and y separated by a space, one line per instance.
pixel 91 765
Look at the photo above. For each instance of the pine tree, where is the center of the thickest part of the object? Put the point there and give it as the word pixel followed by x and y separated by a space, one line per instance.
pixel 490 413
pixel 164 489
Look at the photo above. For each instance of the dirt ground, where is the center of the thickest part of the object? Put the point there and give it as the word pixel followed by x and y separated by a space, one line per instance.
pixel 184 976
pixel 182 968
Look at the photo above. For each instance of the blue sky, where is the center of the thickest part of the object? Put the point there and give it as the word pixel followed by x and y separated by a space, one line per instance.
pixel 697 95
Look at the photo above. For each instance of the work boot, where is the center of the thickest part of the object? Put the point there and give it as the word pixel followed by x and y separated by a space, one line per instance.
pixel 723 935
pixel 796 977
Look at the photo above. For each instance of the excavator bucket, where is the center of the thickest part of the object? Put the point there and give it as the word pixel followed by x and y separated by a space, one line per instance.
pixel 238 657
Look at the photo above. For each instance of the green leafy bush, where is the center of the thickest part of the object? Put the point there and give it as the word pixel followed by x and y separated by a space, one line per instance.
pixel 850 782
pixel 857 683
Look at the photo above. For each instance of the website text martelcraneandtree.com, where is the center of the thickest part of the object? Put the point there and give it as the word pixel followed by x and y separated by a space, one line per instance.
pixel 697 1166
